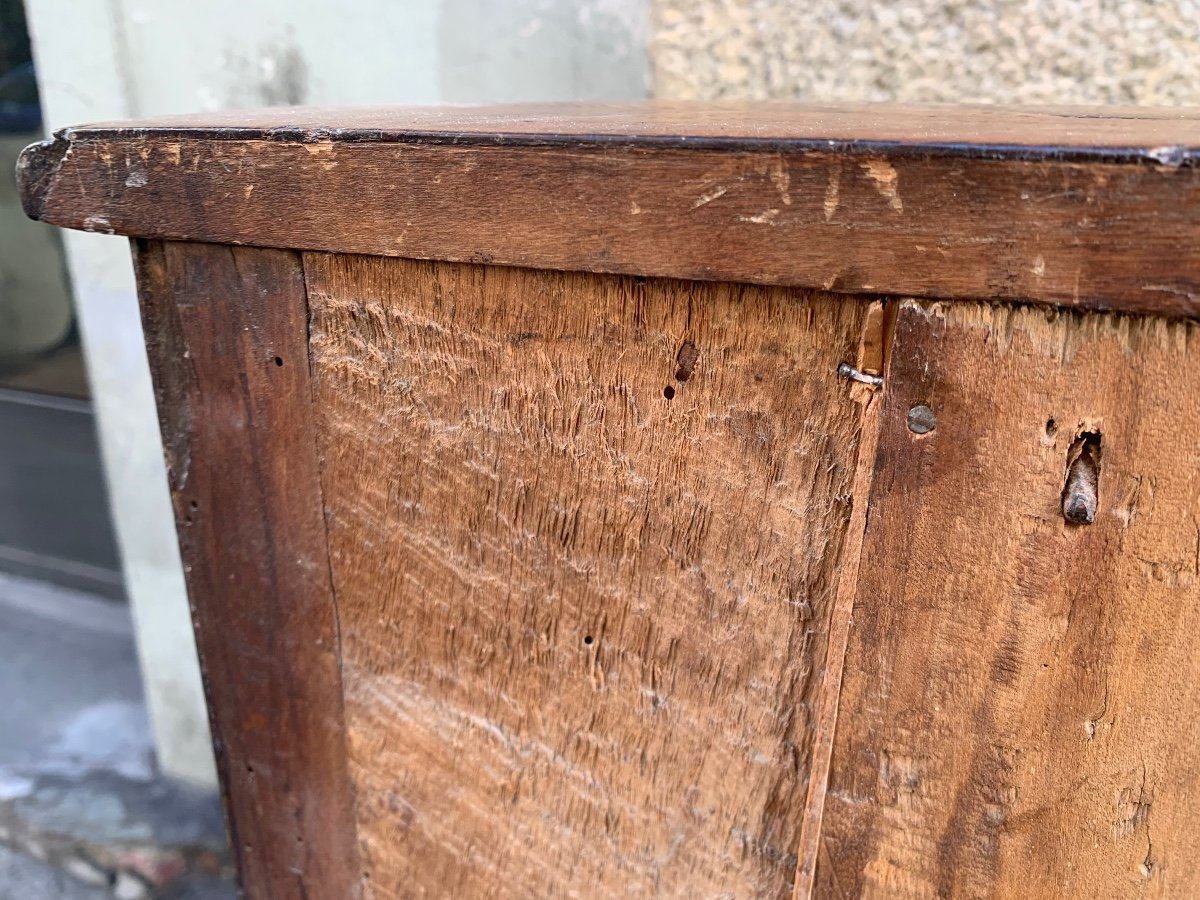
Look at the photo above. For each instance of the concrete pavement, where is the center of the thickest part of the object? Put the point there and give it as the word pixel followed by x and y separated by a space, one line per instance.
pixel 84 812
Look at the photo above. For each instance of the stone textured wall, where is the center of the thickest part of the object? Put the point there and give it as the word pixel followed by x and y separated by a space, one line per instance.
pixel 1011 51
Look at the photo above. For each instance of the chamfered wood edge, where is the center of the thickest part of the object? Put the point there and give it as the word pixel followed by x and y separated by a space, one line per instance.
pixel 1011 228
pixel 237 430
pixel 36 168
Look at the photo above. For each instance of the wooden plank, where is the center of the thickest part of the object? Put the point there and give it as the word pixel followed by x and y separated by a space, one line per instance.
pixel 1018 712
pixel 585 535
pixel 848 202
pixel 227 335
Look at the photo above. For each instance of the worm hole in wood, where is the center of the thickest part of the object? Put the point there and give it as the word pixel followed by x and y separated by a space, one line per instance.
pixel 1080 493
pixel 685 361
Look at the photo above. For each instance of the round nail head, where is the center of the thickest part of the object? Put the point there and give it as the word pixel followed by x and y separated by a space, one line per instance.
pixel 921 420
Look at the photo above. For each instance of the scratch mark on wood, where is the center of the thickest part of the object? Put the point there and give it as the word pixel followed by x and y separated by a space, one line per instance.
pixel 709 196
pixel 883 173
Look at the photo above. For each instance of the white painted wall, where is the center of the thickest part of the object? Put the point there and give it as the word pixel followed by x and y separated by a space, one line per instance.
pixel 35 303
pixel 111 59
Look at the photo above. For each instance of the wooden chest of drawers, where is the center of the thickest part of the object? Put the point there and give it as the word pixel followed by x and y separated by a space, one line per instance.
pixel 685 501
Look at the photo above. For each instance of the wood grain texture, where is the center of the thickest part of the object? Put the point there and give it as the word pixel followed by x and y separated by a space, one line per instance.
pixel 1071 209
pixel 1018 714
pixel 583 622
pixel 226 330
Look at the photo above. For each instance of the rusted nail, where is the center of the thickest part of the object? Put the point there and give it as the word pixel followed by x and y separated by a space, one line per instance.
pixel 921 419
pixel 845 370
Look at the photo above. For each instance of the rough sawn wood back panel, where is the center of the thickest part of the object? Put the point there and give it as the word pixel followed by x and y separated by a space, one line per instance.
pixel 584 535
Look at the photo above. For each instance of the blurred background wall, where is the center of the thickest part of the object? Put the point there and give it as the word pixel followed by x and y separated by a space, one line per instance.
pixel 106 59
pixel 1140 52
pixel 111 59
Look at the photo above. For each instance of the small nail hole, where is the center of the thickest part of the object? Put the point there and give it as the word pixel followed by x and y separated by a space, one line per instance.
pixel 279 360
pixel 1051 428
pixel 669 392
pixel 588 640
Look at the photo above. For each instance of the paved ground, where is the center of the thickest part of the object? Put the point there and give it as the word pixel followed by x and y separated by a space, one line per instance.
pixel 79 793
pixel 24 878
pixel 68 680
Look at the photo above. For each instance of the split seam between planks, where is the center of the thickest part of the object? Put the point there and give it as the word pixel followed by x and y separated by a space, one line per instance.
pixel 878 333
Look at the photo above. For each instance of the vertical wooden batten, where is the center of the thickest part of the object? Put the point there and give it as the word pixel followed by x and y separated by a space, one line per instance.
pixel 873 355
pixel 227 334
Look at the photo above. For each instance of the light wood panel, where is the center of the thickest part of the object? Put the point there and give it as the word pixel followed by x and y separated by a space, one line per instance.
pixel 583 621
pixel 1018 716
